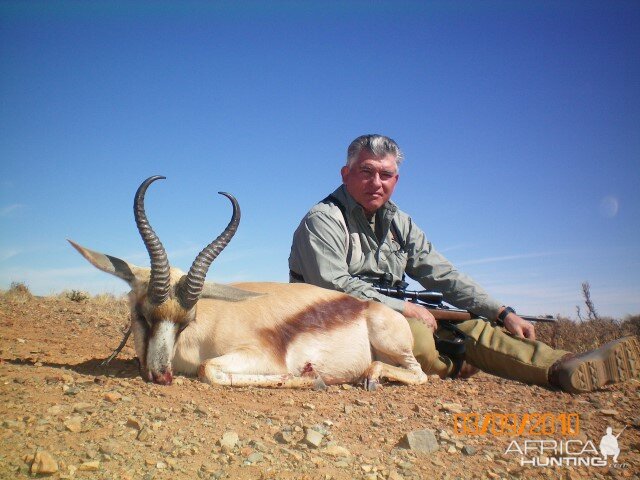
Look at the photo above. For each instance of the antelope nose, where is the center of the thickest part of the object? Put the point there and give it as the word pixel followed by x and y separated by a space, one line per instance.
pixel 162 378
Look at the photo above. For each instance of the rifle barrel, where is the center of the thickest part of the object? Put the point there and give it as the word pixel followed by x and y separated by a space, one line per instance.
pixel 456 315
pixel 433 302
pixel 545 319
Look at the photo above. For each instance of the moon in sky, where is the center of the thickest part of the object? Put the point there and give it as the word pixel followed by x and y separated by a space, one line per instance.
pixel 609 206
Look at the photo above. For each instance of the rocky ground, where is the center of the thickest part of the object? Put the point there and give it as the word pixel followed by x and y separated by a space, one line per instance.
pixel 64 416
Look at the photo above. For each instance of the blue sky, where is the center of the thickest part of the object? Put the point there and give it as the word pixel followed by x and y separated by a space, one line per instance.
pixel 520 123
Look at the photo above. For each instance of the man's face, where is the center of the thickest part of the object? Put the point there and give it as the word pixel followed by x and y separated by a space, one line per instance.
pixel 371 180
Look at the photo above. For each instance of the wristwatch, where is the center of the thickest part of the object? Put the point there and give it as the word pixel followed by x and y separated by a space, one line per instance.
pixel 504 313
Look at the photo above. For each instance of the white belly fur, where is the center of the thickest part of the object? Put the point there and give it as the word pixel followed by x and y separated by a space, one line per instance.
pixel 341 355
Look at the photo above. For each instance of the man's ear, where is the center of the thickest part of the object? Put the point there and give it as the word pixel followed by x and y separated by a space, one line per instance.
pixel 344 171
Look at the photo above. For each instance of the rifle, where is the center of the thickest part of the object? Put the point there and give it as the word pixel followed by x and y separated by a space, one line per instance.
pixel 453 345
pixel 433 301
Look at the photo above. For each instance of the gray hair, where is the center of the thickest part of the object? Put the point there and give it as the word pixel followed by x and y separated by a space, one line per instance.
pixel 378 145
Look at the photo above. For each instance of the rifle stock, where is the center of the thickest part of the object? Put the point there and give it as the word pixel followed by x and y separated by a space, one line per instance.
pixel 454 316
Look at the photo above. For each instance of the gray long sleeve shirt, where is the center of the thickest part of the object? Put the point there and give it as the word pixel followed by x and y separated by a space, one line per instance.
pixel 324 255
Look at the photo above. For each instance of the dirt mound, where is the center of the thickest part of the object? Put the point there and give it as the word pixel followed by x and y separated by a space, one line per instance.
pixel 65 416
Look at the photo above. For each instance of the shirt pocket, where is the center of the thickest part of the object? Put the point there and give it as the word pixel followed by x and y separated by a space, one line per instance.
pixel 395 257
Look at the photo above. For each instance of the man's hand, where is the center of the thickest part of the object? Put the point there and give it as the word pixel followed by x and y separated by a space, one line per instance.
pixel 413 310
pixel 519 327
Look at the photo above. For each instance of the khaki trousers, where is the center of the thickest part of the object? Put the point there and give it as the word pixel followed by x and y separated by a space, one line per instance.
pixel 488 347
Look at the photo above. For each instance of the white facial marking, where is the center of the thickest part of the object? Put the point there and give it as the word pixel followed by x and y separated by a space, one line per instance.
pixel 160 349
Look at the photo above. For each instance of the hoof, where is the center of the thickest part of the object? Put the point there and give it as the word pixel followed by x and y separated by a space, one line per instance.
pixel 319 384
pixel 371 385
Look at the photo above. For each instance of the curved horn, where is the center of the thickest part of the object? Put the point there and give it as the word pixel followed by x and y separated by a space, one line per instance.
pixel 194 281
pixel 159 286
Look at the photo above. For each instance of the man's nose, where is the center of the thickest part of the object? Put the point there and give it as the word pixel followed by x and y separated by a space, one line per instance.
pixel 376 180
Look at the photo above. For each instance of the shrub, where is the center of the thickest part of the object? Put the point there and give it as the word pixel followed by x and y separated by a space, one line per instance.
pixel 18 292
pixel 19 288
pixel 77 296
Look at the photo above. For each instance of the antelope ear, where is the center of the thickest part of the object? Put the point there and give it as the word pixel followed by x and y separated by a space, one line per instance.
pixel 227 293
pixel 126 271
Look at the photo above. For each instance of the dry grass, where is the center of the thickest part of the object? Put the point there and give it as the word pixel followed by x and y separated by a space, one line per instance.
pixel 567 334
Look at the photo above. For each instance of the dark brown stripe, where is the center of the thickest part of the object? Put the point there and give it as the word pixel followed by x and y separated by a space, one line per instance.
pixel 319 317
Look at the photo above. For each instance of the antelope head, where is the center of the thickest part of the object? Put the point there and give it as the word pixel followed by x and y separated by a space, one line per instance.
pixel 163 299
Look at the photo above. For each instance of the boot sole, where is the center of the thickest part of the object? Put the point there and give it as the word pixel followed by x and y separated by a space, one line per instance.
pixel 614 362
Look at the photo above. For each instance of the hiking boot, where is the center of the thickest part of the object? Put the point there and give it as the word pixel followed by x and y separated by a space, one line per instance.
pixel 614 362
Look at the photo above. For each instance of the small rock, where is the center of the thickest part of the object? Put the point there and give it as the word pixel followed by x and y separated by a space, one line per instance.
pixel 348 409
pixel 44 463
pixel 609 413
pixel 13 425
pixel 74 424
pixel 112 397
pixel 406 465
pixel 134 423
pixel 468 450
pixel 309 406
pixel 91 453
pixel 92 466
pixel 337 451
pixel 255 457
pixel 82 407
pixel 394 475
pixel 109 447
pixel 313 438
pixel 201 410
pixel 361 403
pixel 422 441
pixel 452 407
pixel 284 437
pixel 229 440
pixel 319 428
pixel 54 410
pixel 70 390
pixel 143 435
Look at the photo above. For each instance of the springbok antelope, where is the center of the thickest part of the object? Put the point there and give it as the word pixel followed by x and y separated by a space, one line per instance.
pixel 262 334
